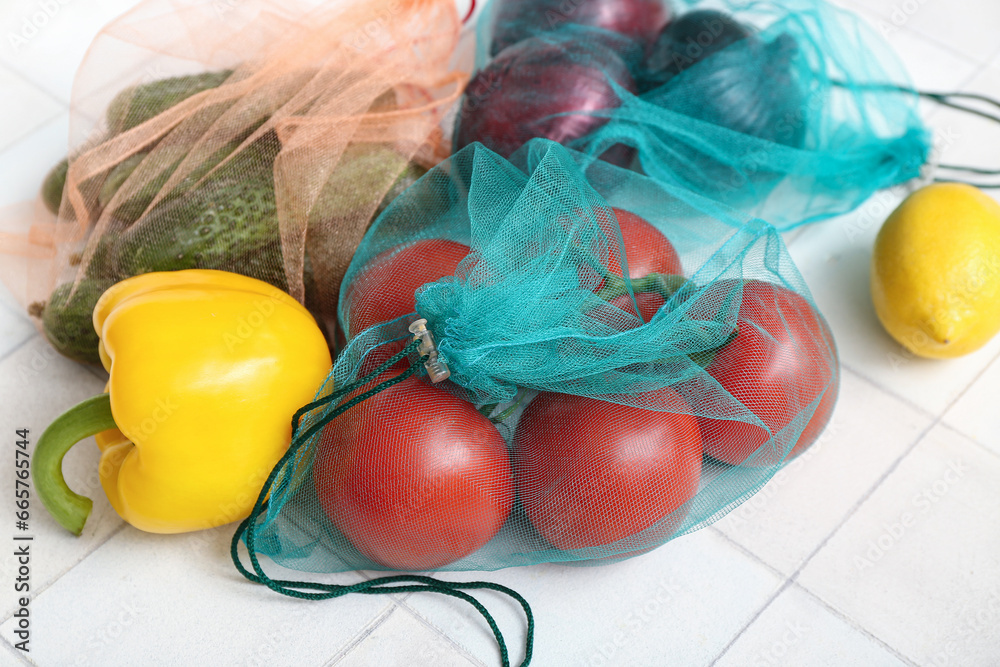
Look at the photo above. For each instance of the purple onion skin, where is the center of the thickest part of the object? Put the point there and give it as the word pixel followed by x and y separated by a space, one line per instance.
pixel 517 20
pixel 749 88
pixel 689 39
pixel 517 96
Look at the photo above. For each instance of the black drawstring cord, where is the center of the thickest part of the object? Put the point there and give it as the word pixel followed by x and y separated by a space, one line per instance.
pixel 945 100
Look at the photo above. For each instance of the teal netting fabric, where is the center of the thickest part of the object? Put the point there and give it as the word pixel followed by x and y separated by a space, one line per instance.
pixel 629 361
pixel 790 111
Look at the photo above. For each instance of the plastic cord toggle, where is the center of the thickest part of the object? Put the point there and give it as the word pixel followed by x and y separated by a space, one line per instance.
pixel 437 370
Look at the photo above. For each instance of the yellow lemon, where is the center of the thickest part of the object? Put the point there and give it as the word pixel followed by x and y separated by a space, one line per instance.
pixel 935 276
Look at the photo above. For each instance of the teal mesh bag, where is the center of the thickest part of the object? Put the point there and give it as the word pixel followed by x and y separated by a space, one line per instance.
pixel 792 111
pixel 628 362
pixel 547 358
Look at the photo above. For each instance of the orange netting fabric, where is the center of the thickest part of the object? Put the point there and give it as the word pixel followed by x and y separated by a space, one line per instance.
pixel 246 135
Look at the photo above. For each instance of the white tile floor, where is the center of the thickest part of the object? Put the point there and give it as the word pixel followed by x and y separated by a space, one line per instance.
pixel 879 547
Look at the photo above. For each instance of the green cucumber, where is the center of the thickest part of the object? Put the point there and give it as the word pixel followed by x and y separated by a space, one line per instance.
pixel 134 105
pixel 52 186
pixel 131 107
pixel 68 322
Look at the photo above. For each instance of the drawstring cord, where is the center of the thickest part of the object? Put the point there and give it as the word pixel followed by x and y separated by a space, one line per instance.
pixel 306 590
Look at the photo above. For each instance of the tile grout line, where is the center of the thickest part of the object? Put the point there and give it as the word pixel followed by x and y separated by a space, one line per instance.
pixel 944 46
pixel 798 586
pixel 17 317
pixel 909 402
pixel 24 659
pixel 979 69
pixel 904 28
pixel 454 644
pixel 32 131
pixel 993 57
pixel 968 385
pixel 786 582
pixel 885 390
pixel 864 498
pixel 17 347
pixel 792 579
pixel 362 634
pixel 48 93
pixel 767 603
pixel 821 601
pixel 399 601
pixel 747 552
pixel 854 624
pixel 61 109
pixel 989 450
pixel 41 591
pixel 861 501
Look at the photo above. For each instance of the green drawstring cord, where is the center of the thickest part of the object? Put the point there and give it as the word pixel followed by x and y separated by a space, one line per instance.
pixel 382 585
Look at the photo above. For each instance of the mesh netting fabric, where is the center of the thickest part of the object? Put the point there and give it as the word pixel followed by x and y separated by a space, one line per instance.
pixel 257 137
pixel 792 111
pixel 628 362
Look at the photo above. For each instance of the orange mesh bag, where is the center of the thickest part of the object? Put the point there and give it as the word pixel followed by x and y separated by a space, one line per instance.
pixel 256 137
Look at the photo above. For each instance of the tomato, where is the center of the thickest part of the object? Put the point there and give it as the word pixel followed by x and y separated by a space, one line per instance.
pixel 589 473
pixel 646 251
pixel 782 359
pixel 383 289
pixel 414 477
pixel 649 303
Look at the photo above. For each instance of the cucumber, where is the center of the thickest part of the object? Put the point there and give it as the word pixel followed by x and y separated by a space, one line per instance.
pixel 131 107
pixel 68 323
pixel 364 168
pixel 128 211
pixel 135 105
pixel 52 186
pixel 226 224
pixel 228 221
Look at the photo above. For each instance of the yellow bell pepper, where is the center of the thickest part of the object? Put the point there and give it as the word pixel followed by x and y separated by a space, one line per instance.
pixel 206 370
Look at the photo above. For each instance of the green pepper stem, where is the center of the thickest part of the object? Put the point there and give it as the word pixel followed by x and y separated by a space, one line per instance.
pixel 81 421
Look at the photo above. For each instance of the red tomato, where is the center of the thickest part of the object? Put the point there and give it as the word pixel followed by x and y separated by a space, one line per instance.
pixel 649 304
pixel 589 473
pixel 646 251
pixel 383 289
pixel 612 316
pixel 782 358
pixel 414 477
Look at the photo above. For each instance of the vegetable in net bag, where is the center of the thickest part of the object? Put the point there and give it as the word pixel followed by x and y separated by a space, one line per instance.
pixel 260 138
pixel 793 111
pixel 549 359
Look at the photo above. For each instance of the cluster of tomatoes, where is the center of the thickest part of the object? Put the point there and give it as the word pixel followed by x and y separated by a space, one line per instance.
pixel 416 478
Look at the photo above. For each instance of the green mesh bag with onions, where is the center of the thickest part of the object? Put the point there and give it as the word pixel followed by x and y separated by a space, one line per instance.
pixel 548 358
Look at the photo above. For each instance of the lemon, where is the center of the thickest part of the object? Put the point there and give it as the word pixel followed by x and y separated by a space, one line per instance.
pixel 935 276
